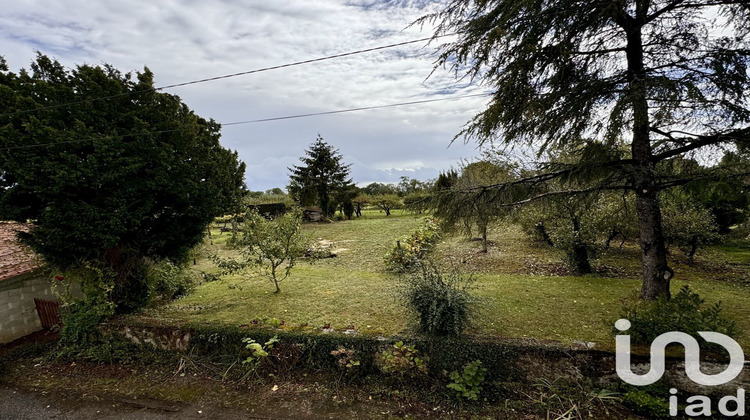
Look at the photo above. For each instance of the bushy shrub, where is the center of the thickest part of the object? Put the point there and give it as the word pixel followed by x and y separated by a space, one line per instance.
pixel 347 360
pixel 468 384
pixel 169 280
pixel 411 250
pixel 684 312
pixel 82 312
pixel 79 320
pixel 441 300
pixel 132 292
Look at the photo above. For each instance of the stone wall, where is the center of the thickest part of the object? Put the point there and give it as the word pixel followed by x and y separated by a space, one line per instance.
pixel 18 315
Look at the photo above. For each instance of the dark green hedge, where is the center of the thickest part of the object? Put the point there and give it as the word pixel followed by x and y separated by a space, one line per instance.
pixel 271 209
pixel 445 354
pixel 502 358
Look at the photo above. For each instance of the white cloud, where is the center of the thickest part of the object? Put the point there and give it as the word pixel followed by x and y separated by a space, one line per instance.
pixel 186 40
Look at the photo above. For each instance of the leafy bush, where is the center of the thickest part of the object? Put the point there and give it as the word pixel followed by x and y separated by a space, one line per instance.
pixel 468 384
pixel 79 320
pixel 81 313
pixel 169 280
pixel 441 301
pixel 411 250
pixel 645 404
pixel 258 352
pixel 683 313
pixel 687 225
pixel 402 360
pixel 346 359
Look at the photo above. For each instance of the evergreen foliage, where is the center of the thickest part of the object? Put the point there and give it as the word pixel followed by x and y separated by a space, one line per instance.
pixel 660 74
pixel 110 181
pixel 322 179
pixel 441 300
pixel 482 208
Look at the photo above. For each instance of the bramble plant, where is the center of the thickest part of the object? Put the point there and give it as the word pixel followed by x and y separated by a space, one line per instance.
pixel 468 384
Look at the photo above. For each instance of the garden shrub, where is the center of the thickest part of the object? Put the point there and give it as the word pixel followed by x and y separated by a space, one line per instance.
pixel 411 250
pixel 258 353
pixel 82 312
pixel 348 208
pixel 441 301
pixel 79 320
pixel 135 293
pixel 402 360
pixel 468 384
pixel 169 280
pixel 346 358
pixel 684 312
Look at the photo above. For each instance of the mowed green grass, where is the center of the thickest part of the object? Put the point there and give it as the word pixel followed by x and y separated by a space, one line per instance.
pixel 522 291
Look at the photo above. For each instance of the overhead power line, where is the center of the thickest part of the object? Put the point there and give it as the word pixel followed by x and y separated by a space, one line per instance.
pixel 364 108
pixel 341 111
pixel 226 76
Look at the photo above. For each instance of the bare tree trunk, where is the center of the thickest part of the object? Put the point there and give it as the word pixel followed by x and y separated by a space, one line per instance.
pixel 580 253
pixel 656 272
pixel 539 227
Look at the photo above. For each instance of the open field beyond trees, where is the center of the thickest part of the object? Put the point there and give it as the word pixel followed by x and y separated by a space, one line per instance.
pixel 525 291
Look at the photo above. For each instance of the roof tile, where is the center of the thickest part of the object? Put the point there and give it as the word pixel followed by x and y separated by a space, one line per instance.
pixel 15 258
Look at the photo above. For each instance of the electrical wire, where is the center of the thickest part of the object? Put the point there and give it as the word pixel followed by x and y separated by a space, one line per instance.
pixel 226 76
pixel 341 111
pixel 364 108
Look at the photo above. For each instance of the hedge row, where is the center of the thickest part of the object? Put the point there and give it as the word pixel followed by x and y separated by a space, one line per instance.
pixel 445 354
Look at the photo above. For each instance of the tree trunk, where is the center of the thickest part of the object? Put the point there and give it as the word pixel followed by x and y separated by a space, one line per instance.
pixel 542 231
pixel 274 279
pixel 612 235
pixel 693 250
pixel 484 240
pixel 656 272
pixel 580 257
pixel 580 253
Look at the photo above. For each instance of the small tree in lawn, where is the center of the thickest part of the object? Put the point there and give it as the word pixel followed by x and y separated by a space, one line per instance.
pixel 273 245
pixel 359 202
pixel 687 224
pixel 386 202
pixel 482 210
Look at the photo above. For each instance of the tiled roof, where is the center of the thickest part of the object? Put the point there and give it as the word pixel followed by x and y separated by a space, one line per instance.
pixel 15 259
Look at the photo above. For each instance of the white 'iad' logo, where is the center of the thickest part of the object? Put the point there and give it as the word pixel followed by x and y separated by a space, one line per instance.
pixel 692 357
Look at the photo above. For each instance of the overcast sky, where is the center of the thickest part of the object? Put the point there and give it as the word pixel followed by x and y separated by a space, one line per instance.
pixel 183 40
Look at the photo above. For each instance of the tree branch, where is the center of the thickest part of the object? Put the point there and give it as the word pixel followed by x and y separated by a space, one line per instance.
pixel 702 141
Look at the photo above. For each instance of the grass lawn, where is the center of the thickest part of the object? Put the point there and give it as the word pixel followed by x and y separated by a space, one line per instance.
pixel 526 291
